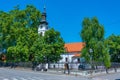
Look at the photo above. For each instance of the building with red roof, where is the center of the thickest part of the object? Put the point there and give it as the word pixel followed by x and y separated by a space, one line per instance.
pixel 73 52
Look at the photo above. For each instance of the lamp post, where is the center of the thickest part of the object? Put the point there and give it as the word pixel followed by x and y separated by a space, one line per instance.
pixel 90 51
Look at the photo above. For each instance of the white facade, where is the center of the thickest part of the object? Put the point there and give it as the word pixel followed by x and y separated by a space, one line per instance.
pixel 69 57
pixel 42 29
pixel 73 62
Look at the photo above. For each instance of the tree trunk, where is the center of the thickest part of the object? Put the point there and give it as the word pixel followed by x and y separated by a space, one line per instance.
pixel 107 70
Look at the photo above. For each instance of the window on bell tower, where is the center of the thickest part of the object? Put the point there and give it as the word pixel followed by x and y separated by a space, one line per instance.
pixel 41 33
pixel 41 27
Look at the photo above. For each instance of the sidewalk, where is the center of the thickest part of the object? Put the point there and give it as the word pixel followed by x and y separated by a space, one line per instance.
pixel 86 73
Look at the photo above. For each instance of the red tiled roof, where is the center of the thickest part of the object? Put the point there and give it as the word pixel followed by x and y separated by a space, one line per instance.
pixel 74 47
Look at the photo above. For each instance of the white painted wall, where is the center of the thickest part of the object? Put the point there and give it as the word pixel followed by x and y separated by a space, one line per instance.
pixel 69 56
pixel 42 29
pixel 64 56
pixel 60 64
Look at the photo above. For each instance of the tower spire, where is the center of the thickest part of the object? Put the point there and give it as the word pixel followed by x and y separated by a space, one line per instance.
pixel 44 8
pixel 43 27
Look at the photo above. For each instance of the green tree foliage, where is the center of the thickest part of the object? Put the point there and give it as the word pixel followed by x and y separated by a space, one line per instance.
pixel 21 51
pixel 19 35
pixel 12 23
pixel 36 50
pixel 0 42
pixel 114 45
pixel 54 45
pixel 18 29
pixel 93 35
pixel 47 48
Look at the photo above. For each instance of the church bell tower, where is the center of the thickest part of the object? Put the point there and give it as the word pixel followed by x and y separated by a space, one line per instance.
pixel 43 27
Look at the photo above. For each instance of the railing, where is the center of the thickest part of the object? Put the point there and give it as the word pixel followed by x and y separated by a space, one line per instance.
pixel 73 67
pixel 16 64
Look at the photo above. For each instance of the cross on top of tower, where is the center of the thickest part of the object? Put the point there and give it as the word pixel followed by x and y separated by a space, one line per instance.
pixel 44 9
pixel 44 6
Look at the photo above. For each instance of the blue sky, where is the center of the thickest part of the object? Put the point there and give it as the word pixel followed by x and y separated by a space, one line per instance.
pixel 66 16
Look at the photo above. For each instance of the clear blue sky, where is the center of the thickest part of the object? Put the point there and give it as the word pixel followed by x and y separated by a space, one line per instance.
pixel 66 16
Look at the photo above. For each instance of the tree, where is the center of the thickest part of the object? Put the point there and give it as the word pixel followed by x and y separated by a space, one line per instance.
pixel 54 45
pixel 93 35
pixel 48 48
pixel 37 50
pixel 22 50
pixel 18 31
pixel 114 45
pixel 13 21
pixel 0 43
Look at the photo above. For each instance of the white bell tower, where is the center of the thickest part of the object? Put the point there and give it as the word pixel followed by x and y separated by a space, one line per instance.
pixel 43 24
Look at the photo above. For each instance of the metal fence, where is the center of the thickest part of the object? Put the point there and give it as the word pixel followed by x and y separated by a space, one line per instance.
pixel 98 67
pixel 16 64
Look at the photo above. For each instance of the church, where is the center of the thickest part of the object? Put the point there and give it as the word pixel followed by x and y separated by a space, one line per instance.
pixel 73 50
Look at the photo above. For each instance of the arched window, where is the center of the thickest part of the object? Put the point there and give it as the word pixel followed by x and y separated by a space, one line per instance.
pixel 41 27
pixel 41 33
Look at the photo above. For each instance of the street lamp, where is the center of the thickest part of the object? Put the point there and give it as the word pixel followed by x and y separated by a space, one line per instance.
pixel 91 51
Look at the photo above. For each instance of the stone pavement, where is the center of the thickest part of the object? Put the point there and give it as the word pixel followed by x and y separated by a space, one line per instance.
pixel 81 74
pixel 73 72
pixel 15 74
pixel 86 73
